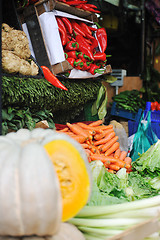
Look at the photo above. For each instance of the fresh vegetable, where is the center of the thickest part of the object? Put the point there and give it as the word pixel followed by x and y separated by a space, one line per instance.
pixel 102 38
pixel 68 155
pixel 71 46
pixel 52 79
pixel 67 24
pixel 84 47
pixel 77 28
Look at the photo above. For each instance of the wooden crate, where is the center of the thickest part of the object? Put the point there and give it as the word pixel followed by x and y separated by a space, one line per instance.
pixel 30 15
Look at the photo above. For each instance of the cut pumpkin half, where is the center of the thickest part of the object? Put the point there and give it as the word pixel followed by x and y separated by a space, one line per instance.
pixel 72 169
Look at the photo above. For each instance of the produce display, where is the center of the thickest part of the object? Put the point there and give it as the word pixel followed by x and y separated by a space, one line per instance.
pixel 84 46
pixel 51 181
pixel 16 53
pixel 155 106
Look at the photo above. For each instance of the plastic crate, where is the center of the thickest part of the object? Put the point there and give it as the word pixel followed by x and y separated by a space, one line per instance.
pixel 133 126
pixel 119 112
pixel 155 115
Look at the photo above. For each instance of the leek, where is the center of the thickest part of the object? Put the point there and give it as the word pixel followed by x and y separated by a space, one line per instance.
pixel 89 211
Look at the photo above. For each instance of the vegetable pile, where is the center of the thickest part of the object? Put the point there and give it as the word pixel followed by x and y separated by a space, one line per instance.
pixel 120 201
pixel 100 143
pixel 129 100
pixel 155 106
pixel 81 4
pixel 84 46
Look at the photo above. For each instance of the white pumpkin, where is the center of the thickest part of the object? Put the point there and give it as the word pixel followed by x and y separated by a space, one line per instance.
pixel 30 198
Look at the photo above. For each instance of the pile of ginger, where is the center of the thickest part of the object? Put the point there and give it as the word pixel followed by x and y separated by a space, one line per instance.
pixel 16 55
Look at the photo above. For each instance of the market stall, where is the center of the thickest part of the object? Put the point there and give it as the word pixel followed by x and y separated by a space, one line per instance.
pixel 72 169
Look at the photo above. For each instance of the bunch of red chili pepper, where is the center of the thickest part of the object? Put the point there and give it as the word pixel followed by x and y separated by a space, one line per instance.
pixel 82 4
pixel 80 45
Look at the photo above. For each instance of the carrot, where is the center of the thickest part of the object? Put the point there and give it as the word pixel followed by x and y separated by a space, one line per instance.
pixel 112 149
pixel 117 153
pixel 79 138
pixel 64 129
pixel 85 126
pixel 107 131
pixel 120 163
pixel 128 160
pixel 107 164
pixel 108 144
pixel 96 123
pixel 123 155
pixel 114 167
pixel 77 130
pixel 85 145
pixel 104 127
pixel 99 136
pixel 103 158
pixel 106 139
pixel 110 170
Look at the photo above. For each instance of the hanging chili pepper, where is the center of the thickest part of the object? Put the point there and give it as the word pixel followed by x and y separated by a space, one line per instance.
pixel 100 56
pixel 52 79
pixel 84 47
pixel 60 23
pixel 67 24
pixel 77 27
pixel 72 45
pixel 95 69
pixel 63 36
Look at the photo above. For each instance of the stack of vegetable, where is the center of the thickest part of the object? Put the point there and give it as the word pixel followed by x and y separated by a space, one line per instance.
pixel 81 4
pixel 120 201
pixel 84 46
pixel 100 143
pixel 129 100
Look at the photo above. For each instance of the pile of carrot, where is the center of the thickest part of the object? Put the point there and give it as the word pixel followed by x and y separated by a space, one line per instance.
pixel 100 143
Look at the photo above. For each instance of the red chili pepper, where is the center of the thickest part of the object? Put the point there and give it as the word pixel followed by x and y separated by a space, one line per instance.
pixel 102 38
pixel 77 27
pixel 88 41
pixel 95 69
pixel 52 79
pixel 67 24
pixel 63 36
pixel 71 61
pixel 60 23
pixel 87 8
pixel 83 56
pixel 91 5
pixel 100 56
pixel 92 29
pixel 85 28
pixel 74 3
pixel 73 54
pixel 94 44
pixel 78 64
pixel 72 45
pixel 86 66
pixel 84 47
